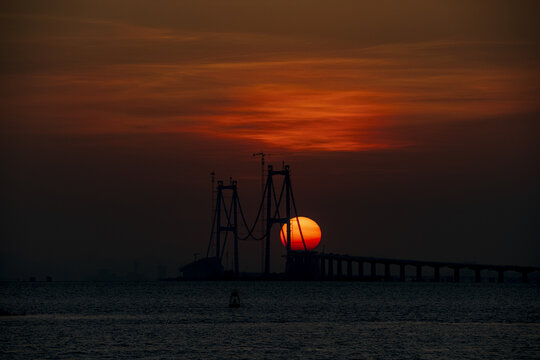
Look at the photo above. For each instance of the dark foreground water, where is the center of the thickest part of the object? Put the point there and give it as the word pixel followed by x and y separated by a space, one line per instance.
pixel 278 320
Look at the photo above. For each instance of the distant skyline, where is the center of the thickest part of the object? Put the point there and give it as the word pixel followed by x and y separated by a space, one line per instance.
pixel 411 128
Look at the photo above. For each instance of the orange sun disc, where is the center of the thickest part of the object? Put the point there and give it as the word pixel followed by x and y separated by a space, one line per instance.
pixel 302 226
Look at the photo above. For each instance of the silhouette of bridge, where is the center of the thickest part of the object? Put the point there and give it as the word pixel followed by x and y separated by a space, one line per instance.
pixel 346 267
pixel 305 264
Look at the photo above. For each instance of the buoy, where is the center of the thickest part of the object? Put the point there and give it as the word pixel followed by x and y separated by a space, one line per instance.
pixel 234 300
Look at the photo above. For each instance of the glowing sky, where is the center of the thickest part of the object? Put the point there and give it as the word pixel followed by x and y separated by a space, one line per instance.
pixel 450 88
pixel 308 76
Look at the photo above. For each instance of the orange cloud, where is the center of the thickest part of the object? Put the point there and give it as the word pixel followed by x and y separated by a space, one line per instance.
pixel 349 102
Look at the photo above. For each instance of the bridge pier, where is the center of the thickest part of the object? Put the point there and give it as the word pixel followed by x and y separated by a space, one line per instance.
pixel 456 274
pixel 500 276
pixel 330 268
pixel 387 275
pixel 477 275
pixel 327 270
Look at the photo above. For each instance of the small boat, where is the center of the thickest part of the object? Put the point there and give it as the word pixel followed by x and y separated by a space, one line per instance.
pixel 234 300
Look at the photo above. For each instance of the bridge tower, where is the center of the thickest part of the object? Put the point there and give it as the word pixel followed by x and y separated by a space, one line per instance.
pixel 272 212
pixel 230 214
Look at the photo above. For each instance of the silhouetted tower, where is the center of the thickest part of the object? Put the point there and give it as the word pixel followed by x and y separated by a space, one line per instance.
pixel 272 212
pixel 231 215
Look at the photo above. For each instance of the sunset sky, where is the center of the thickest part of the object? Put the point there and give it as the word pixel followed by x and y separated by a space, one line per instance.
pixel 411 128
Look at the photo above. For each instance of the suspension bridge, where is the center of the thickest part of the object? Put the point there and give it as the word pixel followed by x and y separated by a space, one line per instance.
pixel 276 206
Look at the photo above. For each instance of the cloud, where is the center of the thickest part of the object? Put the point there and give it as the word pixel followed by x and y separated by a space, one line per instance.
pixel 102 75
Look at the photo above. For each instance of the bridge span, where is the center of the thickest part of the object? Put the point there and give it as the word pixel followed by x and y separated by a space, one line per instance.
pixel 305 264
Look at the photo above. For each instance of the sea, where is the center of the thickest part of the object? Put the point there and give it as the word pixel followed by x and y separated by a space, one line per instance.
pixel 276 320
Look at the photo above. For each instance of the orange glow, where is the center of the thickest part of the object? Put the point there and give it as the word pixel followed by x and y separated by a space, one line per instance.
pixel 263 89
pixel 302 227
pixel 354 107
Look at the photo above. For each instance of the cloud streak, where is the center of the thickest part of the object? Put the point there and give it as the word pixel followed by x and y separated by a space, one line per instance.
pixel 336 104
pixel 254 86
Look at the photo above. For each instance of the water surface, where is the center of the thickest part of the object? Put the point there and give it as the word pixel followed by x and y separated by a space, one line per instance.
pixel 277 320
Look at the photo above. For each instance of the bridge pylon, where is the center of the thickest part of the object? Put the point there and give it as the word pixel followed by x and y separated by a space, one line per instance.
pixel 272 212
pixel 229 213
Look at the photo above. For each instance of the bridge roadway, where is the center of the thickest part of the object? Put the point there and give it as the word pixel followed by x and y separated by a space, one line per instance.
pixel 322 265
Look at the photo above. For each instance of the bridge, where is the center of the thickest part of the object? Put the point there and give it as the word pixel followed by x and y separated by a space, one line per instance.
pixel 274 209
pixel 346 267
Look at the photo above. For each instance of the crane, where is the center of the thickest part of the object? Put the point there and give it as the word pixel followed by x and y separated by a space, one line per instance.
pixel 262 155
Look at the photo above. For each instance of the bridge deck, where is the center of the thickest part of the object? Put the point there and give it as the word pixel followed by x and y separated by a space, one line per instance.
pixel 321 265
pixel 439 264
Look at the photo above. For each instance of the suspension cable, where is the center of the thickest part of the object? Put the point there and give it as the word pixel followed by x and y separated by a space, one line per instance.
pixel 278 203
pixel 259 212
pixel 228 225
pixel 249 230
pixel 296 213
pixel 211 234
pixel 250 235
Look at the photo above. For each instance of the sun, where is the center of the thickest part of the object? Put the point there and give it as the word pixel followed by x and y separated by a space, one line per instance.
pixel 302 227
